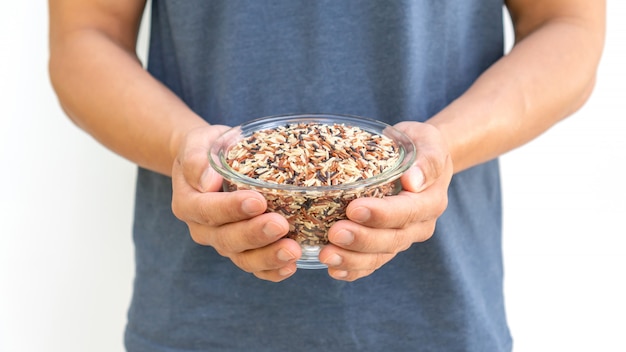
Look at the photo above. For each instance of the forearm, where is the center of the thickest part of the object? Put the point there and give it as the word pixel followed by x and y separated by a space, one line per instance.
pixel 546 77
pixel 112 97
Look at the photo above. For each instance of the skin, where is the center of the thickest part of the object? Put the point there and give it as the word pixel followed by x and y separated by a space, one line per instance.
pixel 548 75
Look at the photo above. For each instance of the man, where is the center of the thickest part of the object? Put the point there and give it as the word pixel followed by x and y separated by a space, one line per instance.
pixel 434 69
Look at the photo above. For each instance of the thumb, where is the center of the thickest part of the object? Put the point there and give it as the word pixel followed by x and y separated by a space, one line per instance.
pixel 210 181
pixel 432 159
pixel 413 180
pixel 431 164
pixel 193 159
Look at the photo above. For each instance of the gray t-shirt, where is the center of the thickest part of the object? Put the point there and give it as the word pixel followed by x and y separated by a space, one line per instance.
pixel 234 60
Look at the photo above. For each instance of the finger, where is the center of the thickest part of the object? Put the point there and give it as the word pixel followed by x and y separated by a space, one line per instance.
pixel 349 266
pixel 356 238
pixel 275 260
pixel 278 275
pixel 349 276
pixel 241 236
pixel 218 208
pixel 398 211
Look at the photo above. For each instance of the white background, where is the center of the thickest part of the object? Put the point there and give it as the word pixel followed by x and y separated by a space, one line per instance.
pixel 66 204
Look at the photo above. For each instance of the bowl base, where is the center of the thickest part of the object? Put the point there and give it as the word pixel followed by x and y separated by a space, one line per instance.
pixel 310 258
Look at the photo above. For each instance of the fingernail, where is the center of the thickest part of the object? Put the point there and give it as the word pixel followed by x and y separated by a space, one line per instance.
pixel 343 237
pixel 252 206
pixel 333 260
pixel 272 229
pixel 284 255
pixel 286 271
pixel 340 274
pixel 360 214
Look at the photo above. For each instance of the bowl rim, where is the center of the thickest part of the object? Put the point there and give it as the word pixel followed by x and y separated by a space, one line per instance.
pixel 406 146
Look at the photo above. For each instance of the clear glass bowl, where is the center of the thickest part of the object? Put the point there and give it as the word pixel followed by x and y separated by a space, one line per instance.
pixel 312 210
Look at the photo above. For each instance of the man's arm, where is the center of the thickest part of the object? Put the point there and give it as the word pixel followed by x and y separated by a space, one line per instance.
pixel 548 75
pixel 103 88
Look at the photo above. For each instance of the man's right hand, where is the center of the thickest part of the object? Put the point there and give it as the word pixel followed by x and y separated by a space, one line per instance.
pixel 234 223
